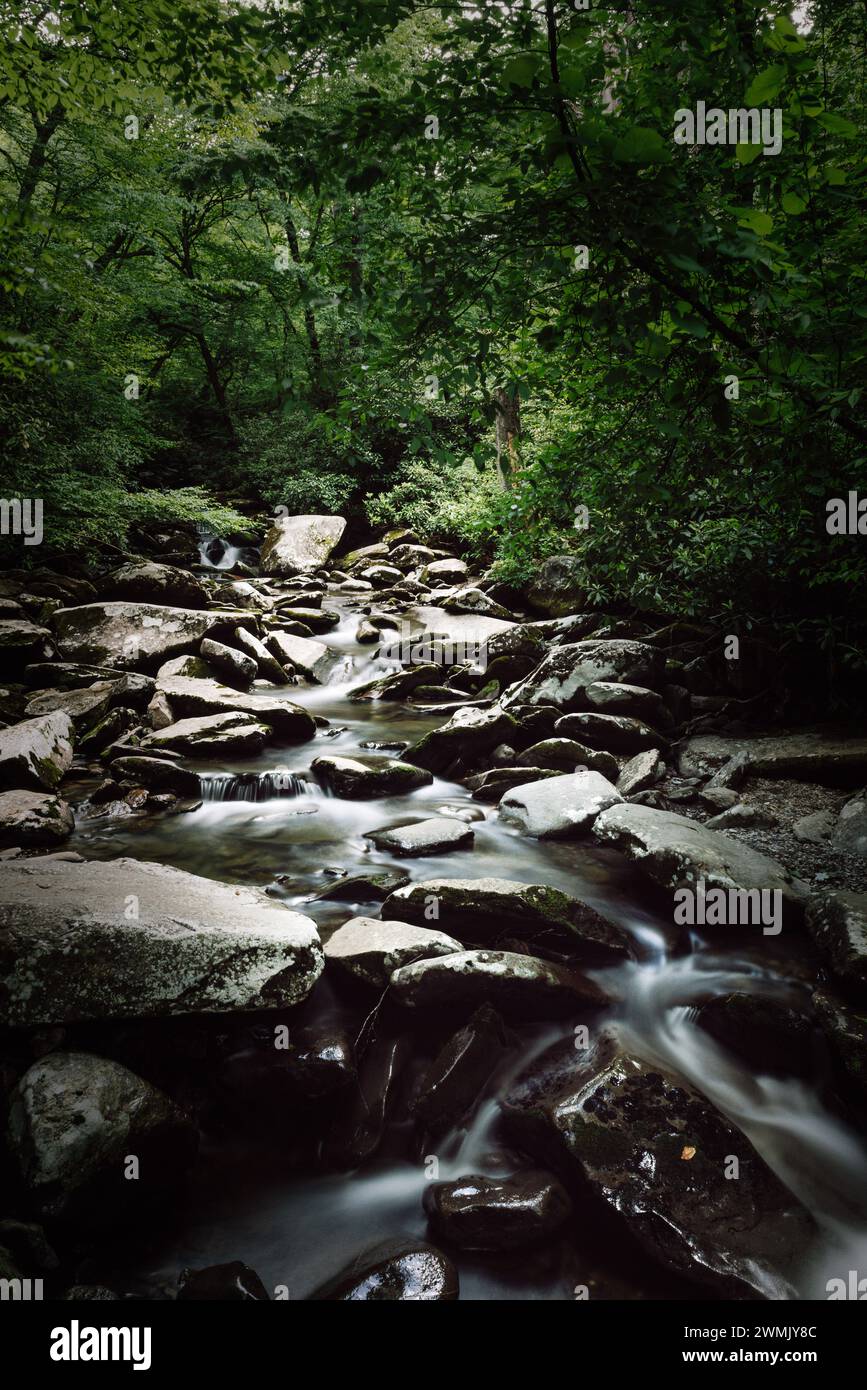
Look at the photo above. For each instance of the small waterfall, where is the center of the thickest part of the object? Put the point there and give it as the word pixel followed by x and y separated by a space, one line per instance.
pixel 253 786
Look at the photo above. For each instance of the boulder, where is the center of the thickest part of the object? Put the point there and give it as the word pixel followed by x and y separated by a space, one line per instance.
pixel 316 619
pixel 85 706
pixel 850 833
pixel 677 852
pixel 654 1152
pixel 562 677
pixel 133 636
pixel 145 581
pixel 360 1123
pixel 234 1282
pixel 640 772
pixel 128 687
pixel 559 808
pixel 481 1213
pixel 468 734
pixel 394 1273
pixel 300 544
pixel 189 697
pixel 449 571
pixel 268 668
pixel 368 776
pixel 845 1028
pixel 491 785
pixel 157 774
pixel 633 701
pixel 372 950
pixel 374 885
pixel 232 734
pixel 381 576
pixel 312 659
pixel 518 986
pixel 452 1085
pixel 565 755
pixel 75 1119
pixel 125 938
pixel 240 668
pixel 560 586
pixel 613 732
pixel 438 835
pixel 22 642
pixel 468 599
pixel 37 753
pixel 837 923
pixel 483 909
pixel 34 818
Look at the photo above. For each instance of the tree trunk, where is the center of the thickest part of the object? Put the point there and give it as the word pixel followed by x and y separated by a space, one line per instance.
pixel 508 434
pixel 36 158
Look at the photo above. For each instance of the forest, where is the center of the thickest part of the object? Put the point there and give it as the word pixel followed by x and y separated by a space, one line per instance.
pixel 433 652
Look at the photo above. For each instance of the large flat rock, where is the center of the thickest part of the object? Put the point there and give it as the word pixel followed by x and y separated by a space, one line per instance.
pixel 133 939
pixel 190 696
pixel 135 636
pixel 676 852
pixel 812 757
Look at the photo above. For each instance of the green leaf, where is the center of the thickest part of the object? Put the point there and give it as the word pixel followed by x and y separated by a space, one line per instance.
pixel 520 70
pixel 837 125
pixel 765 85
pixel 793 204
pixel 641 145
pixel 759 222
pixel 745 154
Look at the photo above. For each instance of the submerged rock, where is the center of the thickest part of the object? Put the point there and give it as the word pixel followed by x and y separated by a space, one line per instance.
pixel 518 986
pixel 560 808
pixel 396 1273
pixel 96 940
pixel 480 1213
pixel 157 774
pixel 74 1122
pixel 482 909
pixel 37 753
pixel 657 1154
pixel 372 886
pixel 371 949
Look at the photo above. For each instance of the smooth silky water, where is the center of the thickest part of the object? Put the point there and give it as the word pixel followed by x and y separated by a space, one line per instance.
pixel 299 1230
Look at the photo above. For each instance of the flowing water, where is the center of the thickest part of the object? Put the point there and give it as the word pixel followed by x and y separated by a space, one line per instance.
pixel 266 822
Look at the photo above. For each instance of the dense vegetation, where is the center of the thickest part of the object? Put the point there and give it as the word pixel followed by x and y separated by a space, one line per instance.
pixel 329 256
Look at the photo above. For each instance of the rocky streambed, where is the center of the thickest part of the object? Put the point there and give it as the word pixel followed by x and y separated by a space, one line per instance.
pixel 334 970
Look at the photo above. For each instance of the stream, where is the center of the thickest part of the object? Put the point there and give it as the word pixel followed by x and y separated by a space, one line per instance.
pixel 298 1227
